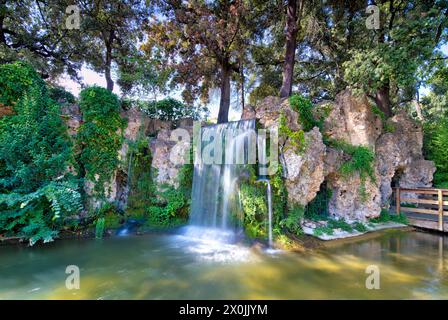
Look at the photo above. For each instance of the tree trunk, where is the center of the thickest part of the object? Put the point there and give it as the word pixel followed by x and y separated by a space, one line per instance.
pixel 2 19
pixel 418 109
pixel 242 87
pixel 382 100
pixel 291 44
pixel 107 70
pixel 108 66
pixel 224 104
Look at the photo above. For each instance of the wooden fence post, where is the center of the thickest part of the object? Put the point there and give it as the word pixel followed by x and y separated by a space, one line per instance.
pixel 440 210
pixel 397 200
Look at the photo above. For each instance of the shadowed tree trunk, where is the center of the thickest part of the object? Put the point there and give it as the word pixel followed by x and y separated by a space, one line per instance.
pixel 224 104
pixel 108 63
pixel 293 10
pixel 382 100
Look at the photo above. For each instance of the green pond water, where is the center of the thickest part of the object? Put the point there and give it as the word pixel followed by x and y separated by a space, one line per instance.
pixel 413 265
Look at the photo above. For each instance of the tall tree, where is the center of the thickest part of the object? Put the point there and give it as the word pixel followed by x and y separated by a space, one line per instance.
pixel 34 31
pixel 205 42
pixel 386 67
pixel 110 32
pixel 294 10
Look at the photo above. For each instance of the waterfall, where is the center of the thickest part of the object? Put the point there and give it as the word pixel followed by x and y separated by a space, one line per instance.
pixel 215 195
pixel 269 195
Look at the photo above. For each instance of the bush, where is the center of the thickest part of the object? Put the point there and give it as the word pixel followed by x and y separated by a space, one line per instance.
pixel 254 205
pixel 293 220
pixel 60 95
pixel 37 193
pixel 304 107
pixel 436 149
pixel 100 136
pixel 361 161
pixel 385 216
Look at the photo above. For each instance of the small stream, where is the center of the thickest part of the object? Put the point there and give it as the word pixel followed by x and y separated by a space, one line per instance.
pixel 413 265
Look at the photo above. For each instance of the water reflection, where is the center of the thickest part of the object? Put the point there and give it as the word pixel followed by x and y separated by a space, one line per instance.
pixel 159 266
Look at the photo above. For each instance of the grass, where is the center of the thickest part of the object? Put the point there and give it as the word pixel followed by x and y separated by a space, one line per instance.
pixel 385 216
pixel 320 231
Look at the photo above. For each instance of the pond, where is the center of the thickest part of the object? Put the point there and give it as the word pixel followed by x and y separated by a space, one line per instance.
pixel 412 265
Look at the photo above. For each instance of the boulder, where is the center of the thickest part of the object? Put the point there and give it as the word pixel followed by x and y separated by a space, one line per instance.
pixel 169 155
pixel 351 119
pixel 268 113
pixel 399 157
pixel 304 171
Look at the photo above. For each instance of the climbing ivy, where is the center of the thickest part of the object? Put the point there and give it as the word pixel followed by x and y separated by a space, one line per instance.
pixel 37 192
pixel 100 136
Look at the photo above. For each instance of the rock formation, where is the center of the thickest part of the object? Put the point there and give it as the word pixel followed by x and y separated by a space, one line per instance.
pixel 398 154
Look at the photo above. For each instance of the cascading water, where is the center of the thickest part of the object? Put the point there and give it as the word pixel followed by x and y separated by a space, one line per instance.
pixel 221 157
pixel 224 149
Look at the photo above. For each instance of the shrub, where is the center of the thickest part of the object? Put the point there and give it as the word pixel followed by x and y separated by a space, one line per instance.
pixel 296 138
pixel 100 136
pixel 320 231
pixel 37 193
pixel 358 226
pixel 361 161
pixel 60 95
pixel 304 107
pixel 436 149
pixel 254 204
pixel 385 216
pixel 293 220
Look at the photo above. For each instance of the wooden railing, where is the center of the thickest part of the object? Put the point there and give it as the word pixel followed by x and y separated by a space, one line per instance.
pixel 430 201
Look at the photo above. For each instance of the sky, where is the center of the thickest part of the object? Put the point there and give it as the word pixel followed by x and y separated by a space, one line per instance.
pixel 90 77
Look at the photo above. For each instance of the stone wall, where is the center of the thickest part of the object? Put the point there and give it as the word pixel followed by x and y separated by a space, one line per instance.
pixel 138 124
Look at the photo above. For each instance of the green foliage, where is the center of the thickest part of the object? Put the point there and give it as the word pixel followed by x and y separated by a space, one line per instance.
pixel 293 219
pixel 320 231
pixel 164 205
pixel 16 79
pixel 361 161
pixel 436 149
pixel 36 191
pixel 359 226
pixel 167 109
pixel 254 203
pixel 388 127
pixel 100 136
pixel 60 95
pixel 304 107
pixel 140 180
pixel 262 91
pixel 339 224
pixel 378 112
pixel 385 216
pixel 108 212
pixel 169 208
pixel 296 138
pixel 318 207
pixel 99 228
